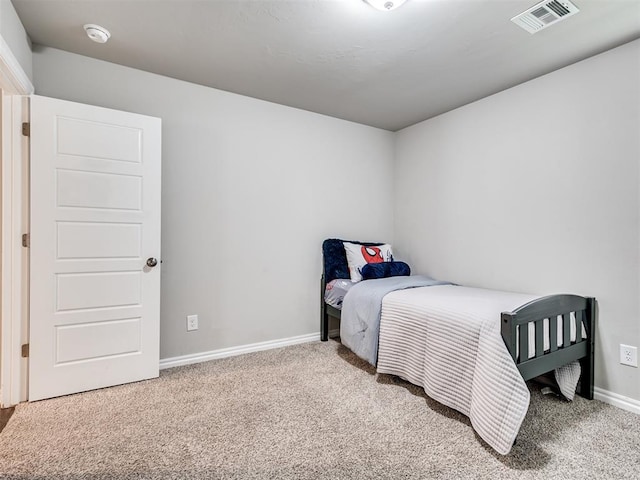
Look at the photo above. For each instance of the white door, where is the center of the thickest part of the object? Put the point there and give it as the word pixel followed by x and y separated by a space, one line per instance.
pixel 95 224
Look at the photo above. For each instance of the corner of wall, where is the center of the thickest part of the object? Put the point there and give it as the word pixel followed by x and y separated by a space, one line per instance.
pixel 16 39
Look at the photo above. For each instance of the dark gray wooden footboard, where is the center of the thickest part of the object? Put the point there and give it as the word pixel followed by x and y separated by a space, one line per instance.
pixel 557 309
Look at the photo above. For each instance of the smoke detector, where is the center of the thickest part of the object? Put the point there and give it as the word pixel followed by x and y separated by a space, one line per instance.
pixel 385 5
pixel 545 14
pixel 97 33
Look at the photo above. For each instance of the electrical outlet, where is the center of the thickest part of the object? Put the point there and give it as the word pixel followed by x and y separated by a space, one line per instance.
pixel 628 355
pixel 192 322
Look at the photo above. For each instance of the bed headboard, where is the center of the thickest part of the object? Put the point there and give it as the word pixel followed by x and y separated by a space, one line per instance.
pixel 335 258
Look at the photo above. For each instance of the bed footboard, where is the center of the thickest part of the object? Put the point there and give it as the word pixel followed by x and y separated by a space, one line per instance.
pixel 556 310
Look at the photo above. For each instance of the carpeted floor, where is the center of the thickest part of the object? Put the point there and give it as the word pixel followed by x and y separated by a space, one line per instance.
pixel 302 412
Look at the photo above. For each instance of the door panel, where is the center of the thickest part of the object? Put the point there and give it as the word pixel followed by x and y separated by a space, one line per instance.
pixel 86 341
pixel 98 190
pixel 98 290
pixel 95 219
pixel 92 139
pixel 98 240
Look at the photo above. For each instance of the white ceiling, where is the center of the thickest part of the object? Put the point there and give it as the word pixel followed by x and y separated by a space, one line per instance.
pixel 337 57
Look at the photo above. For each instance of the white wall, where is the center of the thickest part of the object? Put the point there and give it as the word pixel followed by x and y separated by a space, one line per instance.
pixel 13 33
pixel 250 190
pixel 536 189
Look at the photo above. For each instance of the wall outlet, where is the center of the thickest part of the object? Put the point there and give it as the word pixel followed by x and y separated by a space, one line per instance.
pixel 192 322
pixel 628 355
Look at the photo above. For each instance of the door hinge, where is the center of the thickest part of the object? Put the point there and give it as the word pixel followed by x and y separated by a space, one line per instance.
pixel 26 129
pixel 25 350
pixel 26 240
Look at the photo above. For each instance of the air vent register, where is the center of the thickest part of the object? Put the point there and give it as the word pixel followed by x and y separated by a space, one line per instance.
pixel 545 14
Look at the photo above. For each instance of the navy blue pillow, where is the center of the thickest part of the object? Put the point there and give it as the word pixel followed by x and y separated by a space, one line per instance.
pixel 385 269
pixel 335 258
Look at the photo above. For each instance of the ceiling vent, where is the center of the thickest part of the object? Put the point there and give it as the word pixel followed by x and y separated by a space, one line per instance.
pixel 545 14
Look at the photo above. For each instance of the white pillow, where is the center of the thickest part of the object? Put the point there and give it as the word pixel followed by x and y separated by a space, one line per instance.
pixel 359 255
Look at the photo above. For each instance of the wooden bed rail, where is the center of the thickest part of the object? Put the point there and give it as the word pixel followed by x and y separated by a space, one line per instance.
pixel 326 311
pixel 554 308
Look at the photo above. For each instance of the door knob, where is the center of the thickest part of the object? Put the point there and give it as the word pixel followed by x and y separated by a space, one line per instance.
pixel 151 262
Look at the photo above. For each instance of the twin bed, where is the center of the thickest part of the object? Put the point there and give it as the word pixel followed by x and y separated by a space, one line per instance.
pixel 470 349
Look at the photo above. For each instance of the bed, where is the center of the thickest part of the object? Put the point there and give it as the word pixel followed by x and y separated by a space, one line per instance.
pixel 470 349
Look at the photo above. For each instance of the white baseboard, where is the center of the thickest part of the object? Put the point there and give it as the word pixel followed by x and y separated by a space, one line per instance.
pixel 233 351
pixel 620 401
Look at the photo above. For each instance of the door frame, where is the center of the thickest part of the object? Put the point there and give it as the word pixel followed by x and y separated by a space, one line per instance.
pixel 14 205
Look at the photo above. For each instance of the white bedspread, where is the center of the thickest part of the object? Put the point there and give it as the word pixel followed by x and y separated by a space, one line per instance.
pixel 468 366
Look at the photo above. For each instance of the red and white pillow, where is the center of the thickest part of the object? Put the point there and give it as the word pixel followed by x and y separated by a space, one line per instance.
pixel 359 255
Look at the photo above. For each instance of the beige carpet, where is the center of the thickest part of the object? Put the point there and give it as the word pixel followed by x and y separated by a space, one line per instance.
pixel 309 411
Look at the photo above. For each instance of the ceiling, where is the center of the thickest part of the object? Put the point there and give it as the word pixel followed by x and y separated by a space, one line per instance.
pixel 336 57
